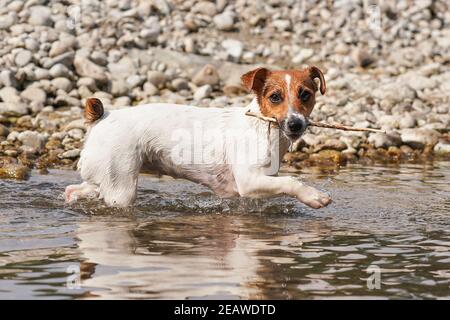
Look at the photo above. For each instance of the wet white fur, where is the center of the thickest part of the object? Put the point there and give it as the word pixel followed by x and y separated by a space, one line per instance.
pixel 124 141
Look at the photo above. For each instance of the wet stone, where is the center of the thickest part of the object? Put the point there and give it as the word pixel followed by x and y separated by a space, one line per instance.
pixel 14 171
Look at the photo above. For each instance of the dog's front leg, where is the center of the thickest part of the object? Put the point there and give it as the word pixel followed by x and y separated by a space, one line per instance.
pixel 254 184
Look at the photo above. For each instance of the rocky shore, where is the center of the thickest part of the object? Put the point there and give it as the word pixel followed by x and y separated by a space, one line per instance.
pixel 387 65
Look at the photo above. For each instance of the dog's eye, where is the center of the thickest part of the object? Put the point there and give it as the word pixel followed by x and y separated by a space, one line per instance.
pixel 275 97
pixel 304 95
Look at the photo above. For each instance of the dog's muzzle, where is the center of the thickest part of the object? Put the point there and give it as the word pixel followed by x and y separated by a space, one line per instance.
pixel 294 126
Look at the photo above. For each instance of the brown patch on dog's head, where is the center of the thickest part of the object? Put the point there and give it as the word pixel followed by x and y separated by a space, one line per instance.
pixel 278 92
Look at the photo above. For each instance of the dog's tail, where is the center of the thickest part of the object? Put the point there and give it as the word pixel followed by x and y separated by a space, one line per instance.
pixel 93 110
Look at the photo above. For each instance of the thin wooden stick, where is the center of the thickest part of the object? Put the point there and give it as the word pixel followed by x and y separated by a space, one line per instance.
pixel 342 127
pixel 318 124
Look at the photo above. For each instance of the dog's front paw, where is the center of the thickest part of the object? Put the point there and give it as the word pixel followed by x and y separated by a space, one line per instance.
pixel 314 198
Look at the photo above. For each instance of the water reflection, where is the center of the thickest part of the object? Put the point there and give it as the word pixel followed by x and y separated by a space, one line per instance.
pixel 182 242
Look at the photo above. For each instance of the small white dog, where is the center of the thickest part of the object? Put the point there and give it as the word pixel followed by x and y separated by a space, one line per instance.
pixel 224 149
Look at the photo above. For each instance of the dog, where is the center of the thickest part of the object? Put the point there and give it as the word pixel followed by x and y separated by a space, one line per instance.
pixel 172 139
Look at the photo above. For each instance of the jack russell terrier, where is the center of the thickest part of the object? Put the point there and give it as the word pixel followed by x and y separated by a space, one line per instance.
pixel 221 148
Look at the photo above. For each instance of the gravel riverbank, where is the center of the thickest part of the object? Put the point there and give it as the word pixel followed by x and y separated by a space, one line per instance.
pixel 387 65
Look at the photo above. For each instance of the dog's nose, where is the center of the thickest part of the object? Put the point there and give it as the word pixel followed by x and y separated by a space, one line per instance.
pixel 295 124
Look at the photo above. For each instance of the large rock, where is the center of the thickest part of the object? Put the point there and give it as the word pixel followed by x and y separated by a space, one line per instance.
pixel 23 57
pixel 327 157
pixel 381 140
pixel 62 84
pixel 157 78
pixel 70 154
pixel 8 79
pixel 224 21
pixel 204 7
pixel 234 49
pixel 122 69
pixel 407 121
pixel 32 139
pixel 202 92
pixel 419 138
pixel 66 59
pixel 362 57
pixel 13 109
pixel 118 87
pixel 230 73
pixel 86 68
pixel 4 131
pixel 14 171
pixel 59 70
pixel 34 94
pixel 162 6
pixel 7 21
pixel 62 46
pixel 9 95
pixel 206 75
pixel 442 149
pixel 40 16
pixel 331 144
pixel 282 25
pixel 151 29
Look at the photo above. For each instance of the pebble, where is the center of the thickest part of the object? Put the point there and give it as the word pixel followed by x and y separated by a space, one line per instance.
pixel 32 139
pixel 71 154
pixel 7 78
pixel 59 70
pixel 282 25
pixel 363 58
pixel 157 78
pixel 66 59
pixel 34 94
pixel 62 84
pixel 234 49
pixel 14 171
pixel 206 75
pixel 23 57
pixel 4 131
pixel 86 68
pixel 419 138
pixel 381 140
pixel 13 109
pixel 6 21
pixel 303 55
pixel 180 84
pixel 203 92
pixel 224 21
pixel 10 95
pixel 40 16
pixel 442 148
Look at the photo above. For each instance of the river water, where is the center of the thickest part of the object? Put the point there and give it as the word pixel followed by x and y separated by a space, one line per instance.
pixel 386 235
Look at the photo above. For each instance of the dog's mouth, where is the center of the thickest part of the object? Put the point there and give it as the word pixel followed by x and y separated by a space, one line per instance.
pixel 293 135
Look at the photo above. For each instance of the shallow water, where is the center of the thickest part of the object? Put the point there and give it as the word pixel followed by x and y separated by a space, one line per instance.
pixel 180 241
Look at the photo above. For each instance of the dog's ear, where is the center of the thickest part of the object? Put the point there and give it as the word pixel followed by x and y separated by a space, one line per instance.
pixel 314 73
pixel 254 80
